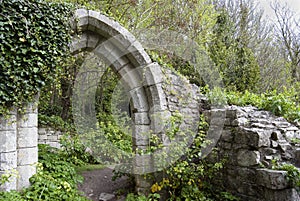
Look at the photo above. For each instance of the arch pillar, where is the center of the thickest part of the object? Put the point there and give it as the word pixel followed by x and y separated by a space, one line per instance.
pixel 125 55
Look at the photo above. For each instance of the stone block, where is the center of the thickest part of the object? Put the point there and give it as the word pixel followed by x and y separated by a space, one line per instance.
pixel 79 44
pixel 111 55
pixel 137 55
pixel 281 195
pixel 240 122
pixel 139 100
pixel 28 120
pixel 141 132
pixel 141 118
pixel 253 137
pixel 142 160
pixel 227 136
pixel 120 63
pixel 9 123
pixel 54 144
pixel 157 98
pixel 42 131
pixel 272 179
pixel 42 137
pixel 296 159
pixel 217 117
pixel 290 134
pixel 25 172
pixel 160 121
pixel 284 145
pixel 8 161
pixel 247 158
pixel 81 16
pixel 27 156
pixel 247 189
pixel 132 77
pixel 52 138
pixel 27 137
pixel 153 74
pixel 8 141
pixel 92 41
pixel 108 28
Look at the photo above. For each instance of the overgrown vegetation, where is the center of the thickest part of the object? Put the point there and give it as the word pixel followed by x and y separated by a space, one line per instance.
pixel 34 41
pixel 293 173
pixel 56 179
pixel 259 66
pixel 189 178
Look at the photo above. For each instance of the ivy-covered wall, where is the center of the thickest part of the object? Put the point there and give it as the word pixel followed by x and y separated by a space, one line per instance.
pixel 34 38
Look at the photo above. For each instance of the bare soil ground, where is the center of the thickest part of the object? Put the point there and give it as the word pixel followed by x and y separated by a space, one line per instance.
pixel 100 181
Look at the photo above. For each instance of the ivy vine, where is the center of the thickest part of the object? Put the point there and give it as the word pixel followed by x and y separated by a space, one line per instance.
pixel 34 38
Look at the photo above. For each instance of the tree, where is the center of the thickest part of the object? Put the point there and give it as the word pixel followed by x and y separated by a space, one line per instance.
pixel 238 33
pixel 288 37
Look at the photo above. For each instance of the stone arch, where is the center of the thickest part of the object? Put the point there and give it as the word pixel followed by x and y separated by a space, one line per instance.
pixel 144 78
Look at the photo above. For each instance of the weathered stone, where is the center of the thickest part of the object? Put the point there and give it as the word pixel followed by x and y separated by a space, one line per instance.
pixel 81 18
pixel 253 137
pixel 28 121
pixel 274 144
pixel 272 179
pixel 106 197
pixel 27 156
pixel 139 101
pixel 248 158
pixel 240 121
pixel 296 159
pixel 8 123
pixel 8 141
pixel 157 98
pixel 131 76
pixel 281 195
pixel 153 74
pixel 143 181
pixel 25 172
pixel 290 134
pixel 8 161
pixel 284 145
pixel 270 151
pixel 27 137
pixel 141 118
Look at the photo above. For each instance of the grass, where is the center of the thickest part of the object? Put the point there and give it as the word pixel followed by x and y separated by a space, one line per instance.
pixel 89 167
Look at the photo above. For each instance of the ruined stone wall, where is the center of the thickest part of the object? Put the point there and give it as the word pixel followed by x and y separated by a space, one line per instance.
pixel 18 146
pixel 247 138
pixel 250 140
pixel 50 136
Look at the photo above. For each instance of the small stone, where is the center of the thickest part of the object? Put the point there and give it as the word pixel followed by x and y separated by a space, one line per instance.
pixel 248 158
pixel 274 144
pixel 269 158
pixel 106 197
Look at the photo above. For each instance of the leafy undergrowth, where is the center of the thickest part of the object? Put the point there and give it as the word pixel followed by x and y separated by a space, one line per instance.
pixel 285 103
pixel 56 179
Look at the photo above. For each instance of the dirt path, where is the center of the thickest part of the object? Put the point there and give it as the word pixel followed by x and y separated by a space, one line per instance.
pixel 99 181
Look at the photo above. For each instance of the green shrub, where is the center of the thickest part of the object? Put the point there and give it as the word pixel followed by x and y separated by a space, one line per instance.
pixel 56 179
pixel 189 177
pixel 280 103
